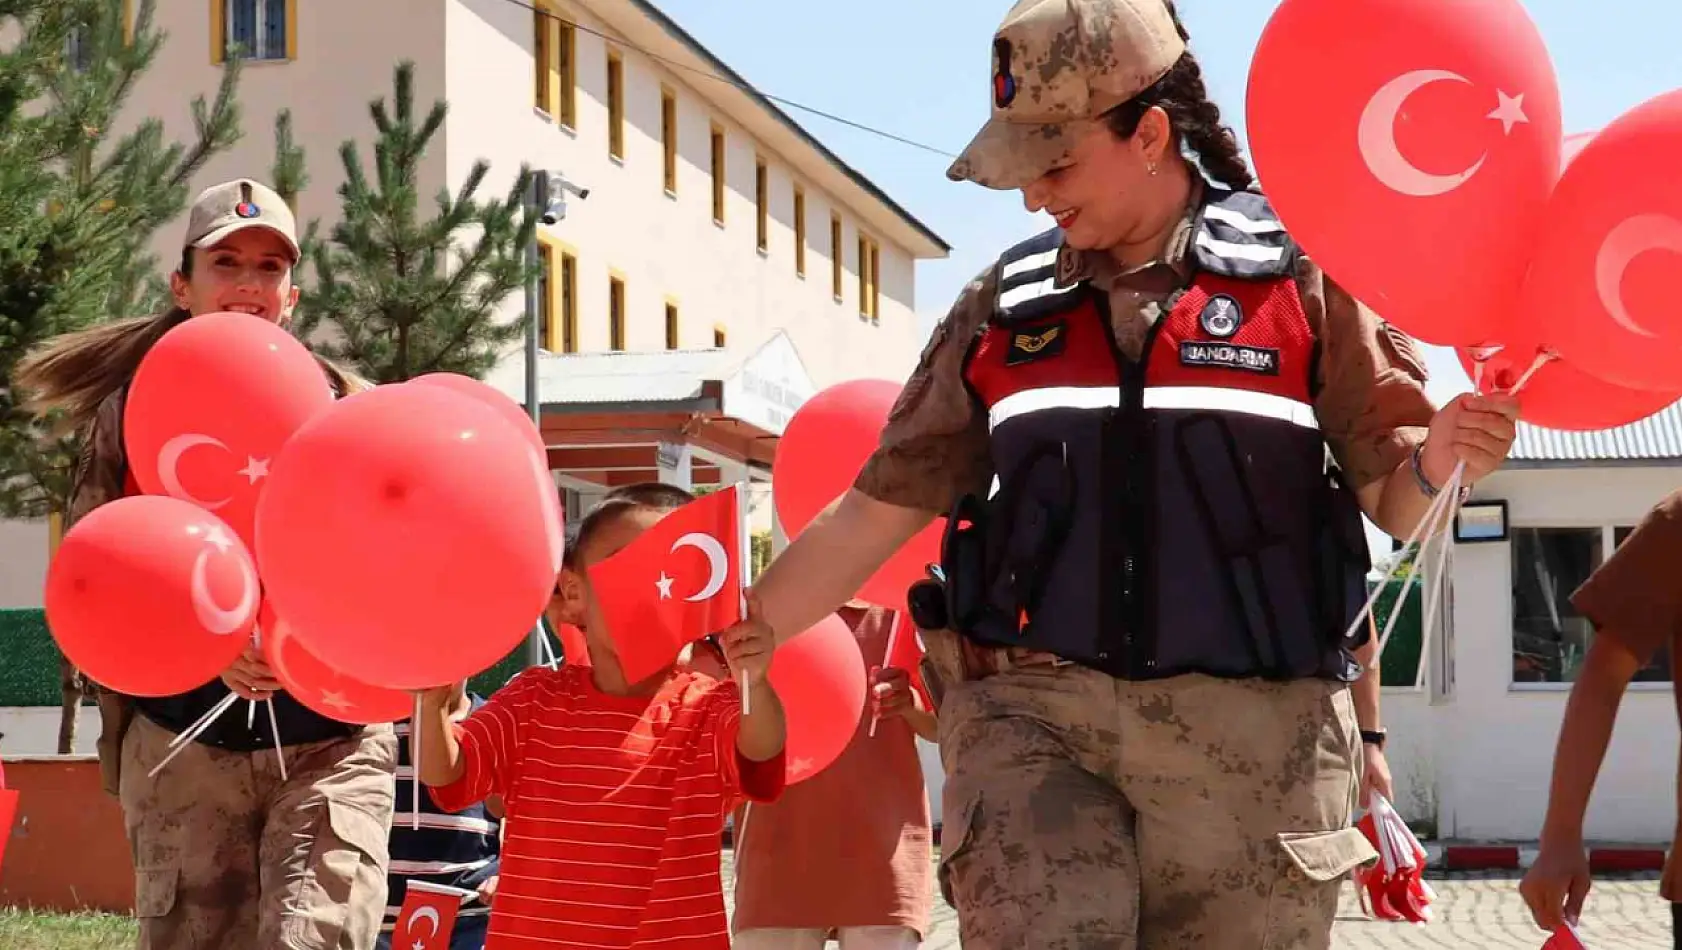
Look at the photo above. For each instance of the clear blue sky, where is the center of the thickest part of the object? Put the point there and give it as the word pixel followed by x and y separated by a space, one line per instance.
pixel 920 69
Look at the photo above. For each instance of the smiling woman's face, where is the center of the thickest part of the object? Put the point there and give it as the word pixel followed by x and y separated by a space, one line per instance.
pixel 249 271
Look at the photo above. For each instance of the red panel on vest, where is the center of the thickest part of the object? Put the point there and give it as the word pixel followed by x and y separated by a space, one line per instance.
pixel 1071 349
pixel 1236 334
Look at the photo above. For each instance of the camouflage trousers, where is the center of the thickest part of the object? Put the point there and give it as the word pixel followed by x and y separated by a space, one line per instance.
pixel 227 854
pixel 1082 811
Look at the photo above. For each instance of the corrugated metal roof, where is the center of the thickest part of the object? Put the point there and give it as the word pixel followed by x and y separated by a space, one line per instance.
pixel 1655 438
pixel 624 377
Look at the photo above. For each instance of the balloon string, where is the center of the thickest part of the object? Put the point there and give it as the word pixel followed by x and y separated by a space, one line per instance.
pixel 415 736
pixel 1542 359
pixel 1435 518
pixel 204 721
pixel 192 732
pixel 1438 578
pixel 1413 538
pixel 251 714
pixel 274 727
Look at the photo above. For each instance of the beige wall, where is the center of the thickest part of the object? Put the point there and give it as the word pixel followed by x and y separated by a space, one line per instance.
pixel 477 53
pixel 346 54
pixel 663 246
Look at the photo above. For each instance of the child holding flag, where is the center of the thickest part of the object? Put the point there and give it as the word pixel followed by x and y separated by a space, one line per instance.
pixel 848 851
pixel 617 780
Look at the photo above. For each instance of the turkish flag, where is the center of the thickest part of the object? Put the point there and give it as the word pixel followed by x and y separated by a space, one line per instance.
pixel 8 814
pixel 905 652
pixel 1565 938
pixel 428 917
pixel 678 582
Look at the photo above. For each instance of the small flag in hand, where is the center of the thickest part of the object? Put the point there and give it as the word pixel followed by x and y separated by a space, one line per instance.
pixel 905 652
pixel 1565 938
pixel 676 583
pixel 8 814
pixel 428 917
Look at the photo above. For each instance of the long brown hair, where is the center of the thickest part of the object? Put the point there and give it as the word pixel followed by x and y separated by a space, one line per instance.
pixel 75 372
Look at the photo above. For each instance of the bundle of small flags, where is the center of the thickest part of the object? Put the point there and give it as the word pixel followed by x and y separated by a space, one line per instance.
pixel 1394 888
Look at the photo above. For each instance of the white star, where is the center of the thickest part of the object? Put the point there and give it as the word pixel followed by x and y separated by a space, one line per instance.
pixel 665 586
pixel 801 766
pixel 255 468
pixel 336 700
pixel 219 539
pixel 1510 111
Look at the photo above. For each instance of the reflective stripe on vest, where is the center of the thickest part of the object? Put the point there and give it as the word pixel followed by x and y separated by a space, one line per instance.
pixel 1212 398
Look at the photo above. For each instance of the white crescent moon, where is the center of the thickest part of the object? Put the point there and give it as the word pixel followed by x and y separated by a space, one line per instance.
pixel 718 562
pixel 1629 239
pixel 169 463
pixel 428 914
pixel 1377 137
pixel 551 510
pixel 277 636
pixel 214 618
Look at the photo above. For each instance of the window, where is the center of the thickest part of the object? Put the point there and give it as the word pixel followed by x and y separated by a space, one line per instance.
pixel 718 338
pixel 799 231
pixel 253 29
pixel 869 291
pixel 836 270
pixel 1550 639
pixel 564 60
pixel 668 138
pixel 762 205
pixel 546 286
pixel 545 81
pixel 568 294
pixel 718 174
pixel 875 282
pixel 616 313
pixel 616 106
pixel 672 340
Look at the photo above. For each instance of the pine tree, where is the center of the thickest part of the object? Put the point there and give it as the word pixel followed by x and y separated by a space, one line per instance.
pixel 78 206
pixel 403 296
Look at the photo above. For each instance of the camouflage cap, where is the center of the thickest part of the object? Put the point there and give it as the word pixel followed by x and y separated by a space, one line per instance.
pixel 1058 65
pixel 221 210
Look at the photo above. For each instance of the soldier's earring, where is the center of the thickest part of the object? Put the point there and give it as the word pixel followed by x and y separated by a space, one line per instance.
pixel 1151 168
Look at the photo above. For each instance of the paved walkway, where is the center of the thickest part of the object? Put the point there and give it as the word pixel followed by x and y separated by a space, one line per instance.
pixel 1474 912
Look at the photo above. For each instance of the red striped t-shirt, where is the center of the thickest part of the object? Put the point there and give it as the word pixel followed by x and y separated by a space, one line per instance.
pixel 615 808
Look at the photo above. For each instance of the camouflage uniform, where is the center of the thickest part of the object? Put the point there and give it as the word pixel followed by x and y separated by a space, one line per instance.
pixel 227 853
pixel 1081 810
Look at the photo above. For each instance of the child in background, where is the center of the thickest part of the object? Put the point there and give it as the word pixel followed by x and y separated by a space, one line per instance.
pixel 616 792
pixel 848 851
pixel 1635 604
pixel 455 850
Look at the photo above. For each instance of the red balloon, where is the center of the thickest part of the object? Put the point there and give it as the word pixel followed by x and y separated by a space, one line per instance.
pixel 151 596
pixel 1561 396
pixel 321 688
pixel 820 680
pixel 1409 146
pixel 1603 288
pixel 491 396
pixel 410 536
pixel 827 442
pixel 211 404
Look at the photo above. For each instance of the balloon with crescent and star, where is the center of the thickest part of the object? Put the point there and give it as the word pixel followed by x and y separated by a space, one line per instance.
pixel 151 595
pixel 1409 146
pixel 1604 284
pixel 210 407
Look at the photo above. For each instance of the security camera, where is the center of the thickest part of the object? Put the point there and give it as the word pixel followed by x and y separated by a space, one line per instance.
pixel 567 187
pixel 554 214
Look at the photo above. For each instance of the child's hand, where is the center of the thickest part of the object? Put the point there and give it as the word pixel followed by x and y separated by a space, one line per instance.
pixel 891 692
pixel 1557 884
pixel 748 645
pixel 436 698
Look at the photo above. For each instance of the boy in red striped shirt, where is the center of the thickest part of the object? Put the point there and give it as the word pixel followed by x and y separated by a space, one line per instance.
pixel 615 792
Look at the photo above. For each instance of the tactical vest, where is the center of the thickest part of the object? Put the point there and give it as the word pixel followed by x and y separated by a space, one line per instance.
pixel 1174 515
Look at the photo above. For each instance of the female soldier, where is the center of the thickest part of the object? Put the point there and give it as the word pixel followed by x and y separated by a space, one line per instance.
pixel 1147 730
pixel 226 852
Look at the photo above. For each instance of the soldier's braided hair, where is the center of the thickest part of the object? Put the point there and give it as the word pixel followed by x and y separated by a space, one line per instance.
pixel 1197 120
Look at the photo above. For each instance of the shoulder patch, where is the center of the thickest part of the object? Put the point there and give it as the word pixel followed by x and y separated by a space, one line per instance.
pixel 1237 235
pixel 1403 351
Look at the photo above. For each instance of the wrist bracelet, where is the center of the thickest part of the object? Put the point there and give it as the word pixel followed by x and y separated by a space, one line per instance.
pixel 1418 464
